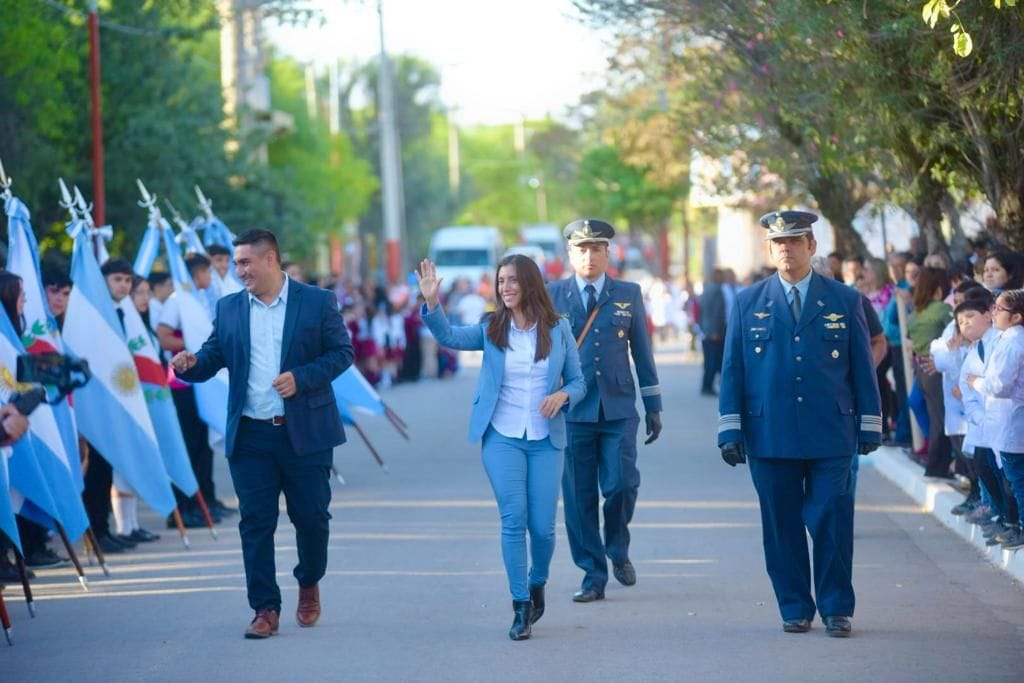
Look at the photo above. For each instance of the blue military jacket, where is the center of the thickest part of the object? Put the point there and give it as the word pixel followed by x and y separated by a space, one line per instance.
pixel 802 389
pixel 620 329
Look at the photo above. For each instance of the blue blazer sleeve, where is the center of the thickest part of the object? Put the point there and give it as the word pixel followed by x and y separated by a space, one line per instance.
pixel 730 395
pixel 573 382
pixel 210 358
pixel 643 356
pixel 865 380
pixel 337 355
pixel 463 337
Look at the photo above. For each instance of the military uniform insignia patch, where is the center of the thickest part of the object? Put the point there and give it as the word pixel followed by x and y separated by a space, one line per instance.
pixel 832 317
pixel 761 316
pixel 623 304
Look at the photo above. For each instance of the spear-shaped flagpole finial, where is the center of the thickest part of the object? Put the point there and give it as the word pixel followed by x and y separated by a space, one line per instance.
pixel 174 212
pixel 205 204
pixel 84 209
pixel 5 182
pixel 148 200
pixel 65 198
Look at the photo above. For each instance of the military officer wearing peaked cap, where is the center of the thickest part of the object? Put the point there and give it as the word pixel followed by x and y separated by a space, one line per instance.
pixel 610 325
pixel 799 398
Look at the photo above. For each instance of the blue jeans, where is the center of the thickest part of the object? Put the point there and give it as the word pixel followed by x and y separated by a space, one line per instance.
pixel 524 476
pixel 1013 468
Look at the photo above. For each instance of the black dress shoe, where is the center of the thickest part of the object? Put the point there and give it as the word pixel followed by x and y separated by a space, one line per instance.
pixel 108 544
pixel 140 535
pixel 521 623
pixel 587 595
pixel 126 541
pixel 796 625
pixel 624 573
pixel 838 627
pixel 221 509
pixel 44 558
pixel 537 600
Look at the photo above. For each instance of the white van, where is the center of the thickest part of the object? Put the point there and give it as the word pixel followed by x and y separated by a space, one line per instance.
pixel 466 251
pixel 546 236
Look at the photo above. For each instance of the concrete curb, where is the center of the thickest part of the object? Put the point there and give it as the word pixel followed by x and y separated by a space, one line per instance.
pixel 938 499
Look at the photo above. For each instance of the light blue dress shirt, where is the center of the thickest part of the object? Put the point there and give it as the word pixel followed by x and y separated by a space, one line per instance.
pixel 266 329
pixel 801 287
pixel 581 283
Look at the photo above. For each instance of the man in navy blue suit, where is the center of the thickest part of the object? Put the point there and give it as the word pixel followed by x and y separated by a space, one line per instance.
pixel 283 343
pixel 799 396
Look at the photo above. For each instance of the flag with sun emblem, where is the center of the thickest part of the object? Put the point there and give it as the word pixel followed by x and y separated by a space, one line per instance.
pixel 158 399
pixel 111 408
pixel 54 425
pixel 39 474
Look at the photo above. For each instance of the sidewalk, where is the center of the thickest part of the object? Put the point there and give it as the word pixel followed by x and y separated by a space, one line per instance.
pixel 938 499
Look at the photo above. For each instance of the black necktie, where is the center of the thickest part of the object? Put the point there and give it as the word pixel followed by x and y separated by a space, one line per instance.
pixel 591 298
pixel 795 304
pixel 120 317
pixel 981 349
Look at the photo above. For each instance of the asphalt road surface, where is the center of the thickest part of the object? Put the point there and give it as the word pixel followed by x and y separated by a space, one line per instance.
pixel 415 589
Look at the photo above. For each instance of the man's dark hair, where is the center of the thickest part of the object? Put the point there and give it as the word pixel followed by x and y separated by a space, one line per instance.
pixel 53 277
pixel 980 294
pixel 195 262
pixel 217 250
pixel 158 277
pixel 117 265
pixel 257 237
pixel 836 255
pixel 859 260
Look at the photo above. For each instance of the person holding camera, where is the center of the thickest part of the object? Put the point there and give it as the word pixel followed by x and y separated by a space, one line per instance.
pixel 14 425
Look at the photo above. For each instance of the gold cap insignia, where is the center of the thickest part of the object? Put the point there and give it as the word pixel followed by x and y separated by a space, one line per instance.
pixel 779 225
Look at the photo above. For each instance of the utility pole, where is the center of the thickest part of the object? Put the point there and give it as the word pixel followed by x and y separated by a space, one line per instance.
pixel 99 212
pixel 390 162
pixel 454 162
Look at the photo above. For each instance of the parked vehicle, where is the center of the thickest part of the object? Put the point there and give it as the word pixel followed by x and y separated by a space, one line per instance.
pixel 467 251
pixel 546 236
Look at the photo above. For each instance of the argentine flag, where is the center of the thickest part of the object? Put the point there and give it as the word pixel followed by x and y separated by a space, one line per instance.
pixel 39 469
pixel 158 399
pixel 54 425
pixel 111 408
pixel 8 524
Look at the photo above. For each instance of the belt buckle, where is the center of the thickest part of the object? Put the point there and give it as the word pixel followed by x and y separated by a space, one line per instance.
pixel 277 420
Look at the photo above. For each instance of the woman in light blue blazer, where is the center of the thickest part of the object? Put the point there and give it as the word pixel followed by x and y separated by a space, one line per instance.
pixel 530 376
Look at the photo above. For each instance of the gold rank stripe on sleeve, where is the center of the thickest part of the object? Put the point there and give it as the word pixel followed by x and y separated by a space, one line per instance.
pixel 729 422
pixel 651 391
pixel 871 423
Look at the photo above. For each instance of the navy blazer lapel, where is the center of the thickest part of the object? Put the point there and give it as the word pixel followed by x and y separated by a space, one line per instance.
pixel 815 303
pixel 291 316
pixel 243 316
pixel 778 303
pixel 572 296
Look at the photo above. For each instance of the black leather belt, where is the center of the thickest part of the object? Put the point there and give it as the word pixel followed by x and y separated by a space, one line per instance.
pixel 277 420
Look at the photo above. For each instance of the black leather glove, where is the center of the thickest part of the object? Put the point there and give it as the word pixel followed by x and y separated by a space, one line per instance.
pixel 732 453
pixel 653 422
pixel 865 448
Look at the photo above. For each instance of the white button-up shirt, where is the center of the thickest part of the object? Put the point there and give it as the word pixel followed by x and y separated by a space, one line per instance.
pixel 523 387
pixel 1003 380
pixel 266 329
pixel 983 415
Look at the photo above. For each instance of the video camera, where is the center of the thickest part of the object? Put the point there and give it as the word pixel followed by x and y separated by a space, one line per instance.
pixel 65 373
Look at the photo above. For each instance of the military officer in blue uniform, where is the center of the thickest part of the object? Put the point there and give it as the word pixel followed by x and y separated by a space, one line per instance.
pixel 610 325
pixel 798 400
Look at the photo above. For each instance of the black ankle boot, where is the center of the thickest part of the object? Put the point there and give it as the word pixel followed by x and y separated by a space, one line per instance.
pixel 521 624
pixel 537 600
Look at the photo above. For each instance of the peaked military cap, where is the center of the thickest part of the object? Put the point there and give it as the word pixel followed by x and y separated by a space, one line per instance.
pixel 588 230
pixel 788 223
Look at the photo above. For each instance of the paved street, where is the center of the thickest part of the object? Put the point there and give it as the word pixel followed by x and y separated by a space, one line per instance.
pixel 415 588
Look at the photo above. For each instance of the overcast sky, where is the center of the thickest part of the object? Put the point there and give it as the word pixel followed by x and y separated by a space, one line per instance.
pixel 498 59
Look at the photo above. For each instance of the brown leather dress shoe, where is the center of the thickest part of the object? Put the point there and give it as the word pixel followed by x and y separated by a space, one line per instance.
pixel 264 624
pixel 308 610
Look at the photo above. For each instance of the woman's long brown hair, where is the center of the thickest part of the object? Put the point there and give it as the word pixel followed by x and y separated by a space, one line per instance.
pixel 535 304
